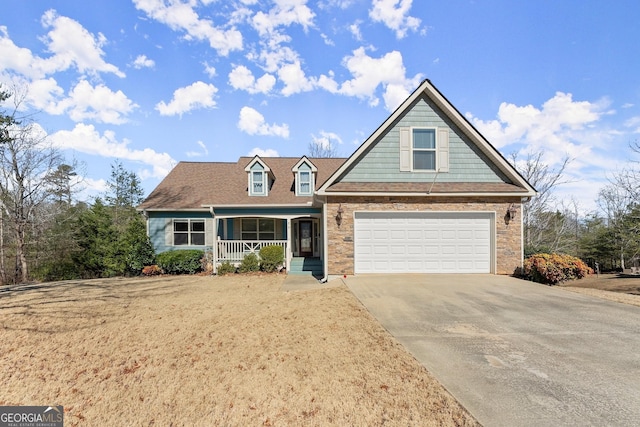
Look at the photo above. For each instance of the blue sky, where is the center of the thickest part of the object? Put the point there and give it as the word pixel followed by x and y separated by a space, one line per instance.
pixel 154 82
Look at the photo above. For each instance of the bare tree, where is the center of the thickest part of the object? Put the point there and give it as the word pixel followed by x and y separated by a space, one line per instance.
pixel 538 215
pixel 27 160
pixel 616 204
pixel 323 147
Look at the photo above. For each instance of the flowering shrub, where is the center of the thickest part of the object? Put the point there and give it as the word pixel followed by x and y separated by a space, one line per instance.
pixel 151 270
pixel 554 268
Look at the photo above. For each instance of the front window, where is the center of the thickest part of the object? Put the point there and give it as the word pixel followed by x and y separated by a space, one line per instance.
pixel 424 149
pixel 258 229
pixel 189 232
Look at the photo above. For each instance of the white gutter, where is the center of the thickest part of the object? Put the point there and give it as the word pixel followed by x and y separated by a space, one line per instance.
pixel 256 206
pixel 386 194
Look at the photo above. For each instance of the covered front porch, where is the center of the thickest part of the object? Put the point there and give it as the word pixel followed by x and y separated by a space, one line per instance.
pixel 241 232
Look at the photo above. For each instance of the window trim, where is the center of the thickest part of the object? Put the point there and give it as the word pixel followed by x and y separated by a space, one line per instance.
pixel 299 183
pixel 253 182
pixel 433 150
pixel 189 232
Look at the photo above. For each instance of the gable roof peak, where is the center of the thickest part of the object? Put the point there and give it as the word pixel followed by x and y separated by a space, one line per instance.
pixel 427 89
pixel 257 159
pixel 303 160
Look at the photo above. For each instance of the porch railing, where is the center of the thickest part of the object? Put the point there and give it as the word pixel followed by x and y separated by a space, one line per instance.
pixel 234 251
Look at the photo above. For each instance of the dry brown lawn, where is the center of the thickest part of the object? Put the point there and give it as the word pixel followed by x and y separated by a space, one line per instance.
pixel 202 351
pixel 614 287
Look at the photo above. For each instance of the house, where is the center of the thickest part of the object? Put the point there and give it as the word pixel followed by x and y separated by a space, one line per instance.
pixel 425 193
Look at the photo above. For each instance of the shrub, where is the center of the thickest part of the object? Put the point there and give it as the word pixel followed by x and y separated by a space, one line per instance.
pixel 185 261
pixel 249 263
pixel 53 271
pixel 151 270
pixel 271 257
pixel 226 268
pixel 554 268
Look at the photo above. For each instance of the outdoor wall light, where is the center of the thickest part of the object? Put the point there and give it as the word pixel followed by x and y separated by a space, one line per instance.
pixel 339 215
pixel 511 212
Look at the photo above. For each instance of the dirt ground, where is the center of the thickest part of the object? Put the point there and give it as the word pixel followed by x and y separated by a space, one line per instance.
pixel 202 351
pixel 614 287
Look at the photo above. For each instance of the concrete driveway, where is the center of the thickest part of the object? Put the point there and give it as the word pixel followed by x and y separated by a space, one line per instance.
pixel 512 352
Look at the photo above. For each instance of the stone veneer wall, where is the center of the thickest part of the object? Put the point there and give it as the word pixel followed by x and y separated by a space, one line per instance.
pixel 508 236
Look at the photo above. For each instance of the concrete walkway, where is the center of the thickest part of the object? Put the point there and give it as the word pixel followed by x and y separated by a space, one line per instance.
pixel 305 282
pixel 512 352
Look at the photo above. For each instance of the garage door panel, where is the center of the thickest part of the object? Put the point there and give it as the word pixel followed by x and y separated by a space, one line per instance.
pixel 422 242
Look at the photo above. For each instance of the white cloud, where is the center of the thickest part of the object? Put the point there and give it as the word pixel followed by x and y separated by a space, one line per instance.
pixel 369 73
pixel 185 99
pixel 72 45
pixel 354 29
pixel 43 94
pixel 209 70
pixel 294 79
pixel 555 123
pixel 327 40
pixel 253 123
pixel 86 139
pixel 204 151
pixel 99 103
pixel 394 14
pixel 269 152
pixel 18 59
pixel 284 13
pixel 143 62
pixel 633 122
pixel 182 16
pixel 560 128
pixel 242 78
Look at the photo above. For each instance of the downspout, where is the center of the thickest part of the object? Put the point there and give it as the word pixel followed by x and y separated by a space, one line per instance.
pixel 325 242
pixel 214 240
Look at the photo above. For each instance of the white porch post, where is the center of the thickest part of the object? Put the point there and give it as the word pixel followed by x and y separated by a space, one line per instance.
pixel 214 240
pixel 289 243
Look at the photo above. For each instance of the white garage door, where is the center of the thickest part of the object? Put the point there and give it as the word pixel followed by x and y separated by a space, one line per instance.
pixel 422 242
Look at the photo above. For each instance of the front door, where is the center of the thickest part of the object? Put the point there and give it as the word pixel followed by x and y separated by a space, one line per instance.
pixel 306 238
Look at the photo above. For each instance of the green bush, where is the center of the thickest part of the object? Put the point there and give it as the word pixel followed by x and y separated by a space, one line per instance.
pixel 54 271
pixel 185 261
pixel 271 257
pixel 554 268
pixel 226 268
pixel 249 263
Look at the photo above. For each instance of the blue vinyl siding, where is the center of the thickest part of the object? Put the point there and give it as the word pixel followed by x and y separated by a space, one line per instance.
pixel 157 222
pixel 381 162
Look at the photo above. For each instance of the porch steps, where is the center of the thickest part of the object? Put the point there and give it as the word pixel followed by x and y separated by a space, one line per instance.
pixel 307 265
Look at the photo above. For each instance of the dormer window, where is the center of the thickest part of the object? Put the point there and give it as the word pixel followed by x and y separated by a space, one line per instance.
pixel 304 182
pixel 304 173
pixel 258 181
